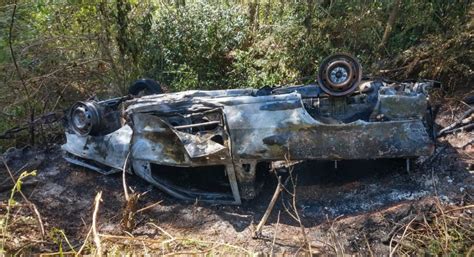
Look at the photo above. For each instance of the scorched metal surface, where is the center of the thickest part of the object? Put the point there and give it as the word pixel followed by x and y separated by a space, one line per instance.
pixel 240 129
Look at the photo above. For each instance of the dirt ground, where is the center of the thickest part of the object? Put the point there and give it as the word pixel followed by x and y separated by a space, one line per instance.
pixel 356 208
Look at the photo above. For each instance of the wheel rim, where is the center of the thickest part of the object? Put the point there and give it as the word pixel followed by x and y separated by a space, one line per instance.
pixel 339 74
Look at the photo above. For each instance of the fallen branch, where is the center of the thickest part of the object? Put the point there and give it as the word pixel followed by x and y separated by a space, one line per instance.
pixel 258 231
pixel 464 128
pixel 463 120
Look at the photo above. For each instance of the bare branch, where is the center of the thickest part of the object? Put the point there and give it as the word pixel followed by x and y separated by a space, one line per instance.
pixel 25 88
pixel 275 233
pixel 95 233
pixel 258 230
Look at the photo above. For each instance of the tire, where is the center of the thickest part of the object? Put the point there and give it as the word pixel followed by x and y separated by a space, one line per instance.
pixel 348 70
pixel 147 86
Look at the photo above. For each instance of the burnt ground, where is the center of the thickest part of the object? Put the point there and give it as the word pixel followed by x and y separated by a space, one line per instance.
pixel 355 208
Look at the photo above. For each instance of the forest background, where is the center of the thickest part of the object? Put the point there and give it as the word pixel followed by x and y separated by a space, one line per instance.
pixel 53 53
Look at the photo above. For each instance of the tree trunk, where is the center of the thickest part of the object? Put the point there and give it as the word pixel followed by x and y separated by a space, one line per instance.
pixel 308 20
pixel 392 18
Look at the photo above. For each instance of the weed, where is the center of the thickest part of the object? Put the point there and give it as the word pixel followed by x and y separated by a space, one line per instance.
pixel 11 203
pixel 445 231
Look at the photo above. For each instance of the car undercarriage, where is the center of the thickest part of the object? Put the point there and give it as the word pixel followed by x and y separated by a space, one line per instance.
pixel 242 131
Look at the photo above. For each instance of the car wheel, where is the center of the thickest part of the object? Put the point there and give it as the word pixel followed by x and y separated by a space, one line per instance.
pixel 145 87
pixel 339 74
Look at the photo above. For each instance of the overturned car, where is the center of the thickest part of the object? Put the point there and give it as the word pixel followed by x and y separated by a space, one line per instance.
pixel 239 131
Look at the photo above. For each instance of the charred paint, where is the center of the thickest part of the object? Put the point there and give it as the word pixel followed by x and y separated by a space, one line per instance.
pixel 281 106
pixel 379 121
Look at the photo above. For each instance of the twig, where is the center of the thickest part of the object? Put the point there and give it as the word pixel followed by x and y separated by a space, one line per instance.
pixel 95 233
pixel 61 233
pixel 85 242
pixel 30 204
pixel 275 234
pixel 371 254
pixel 295 210
pixel 460 208
pixel 149 206
pixel 338 247
pixel 124 182
pixel 392 251
pixel 258 231
pixel 58 254
pixel 427 225
pixel 295 215
pixel 10 44
pixel 446 235
pixel 9 186
pixel 162 230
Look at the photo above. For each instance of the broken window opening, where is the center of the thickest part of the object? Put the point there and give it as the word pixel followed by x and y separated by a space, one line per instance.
pixel 205 178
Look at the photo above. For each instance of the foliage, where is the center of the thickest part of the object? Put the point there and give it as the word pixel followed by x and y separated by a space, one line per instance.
pixel 11 203
pixel 71 50
pixel 194 44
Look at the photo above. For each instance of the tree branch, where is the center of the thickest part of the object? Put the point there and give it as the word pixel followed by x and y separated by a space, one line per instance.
pixel 25 88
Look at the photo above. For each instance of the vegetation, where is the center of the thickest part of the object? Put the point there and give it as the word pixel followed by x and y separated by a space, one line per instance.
pixel 70 50
pixel 53 53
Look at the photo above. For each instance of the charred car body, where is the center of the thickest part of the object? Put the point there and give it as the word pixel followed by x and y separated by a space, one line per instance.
pixel 340 117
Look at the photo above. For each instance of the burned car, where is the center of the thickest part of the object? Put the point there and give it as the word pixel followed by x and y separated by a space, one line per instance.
pixel 238 131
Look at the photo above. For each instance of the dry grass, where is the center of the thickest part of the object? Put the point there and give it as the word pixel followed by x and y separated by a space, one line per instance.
pixel 443 230
pixel 21 239
pixel 448 230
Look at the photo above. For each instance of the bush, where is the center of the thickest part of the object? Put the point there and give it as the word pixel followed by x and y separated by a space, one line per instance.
pixel 68 51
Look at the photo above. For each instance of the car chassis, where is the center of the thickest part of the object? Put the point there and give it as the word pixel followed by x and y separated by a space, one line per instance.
pixel 340 117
